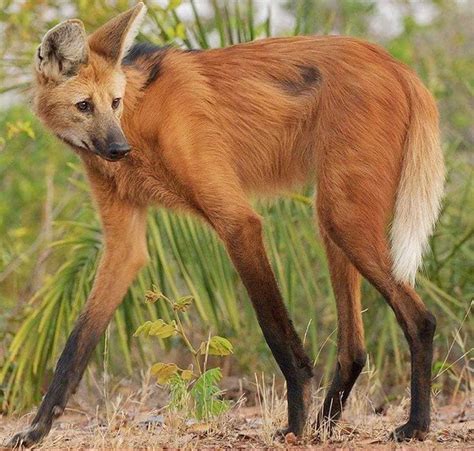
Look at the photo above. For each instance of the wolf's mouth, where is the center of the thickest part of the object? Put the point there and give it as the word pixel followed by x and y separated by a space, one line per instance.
pixel 112 160
pixel 83 146
pixel 86 146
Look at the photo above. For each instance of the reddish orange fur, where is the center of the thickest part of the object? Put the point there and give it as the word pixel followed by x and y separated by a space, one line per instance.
pixel 212 129
pixel 222 117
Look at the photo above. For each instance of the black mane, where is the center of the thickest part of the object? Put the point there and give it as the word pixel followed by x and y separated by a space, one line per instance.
pixel 141 50
pixel 150 54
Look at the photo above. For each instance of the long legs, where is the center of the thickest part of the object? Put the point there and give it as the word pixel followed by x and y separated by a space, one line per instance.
pixel 242 235
pixel 351 351
pixel 367 248
pixel 125 253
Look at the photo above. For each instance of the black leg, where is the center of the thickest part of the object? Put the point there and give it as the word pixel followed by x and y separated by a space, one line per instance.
pixel 351 354
pixel 420 339
pixel 69 370
pixel 244 242
pixel 125 253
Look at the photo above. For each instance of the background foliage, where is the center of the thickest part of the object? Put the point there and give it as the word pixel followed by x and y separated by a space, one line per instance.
pixel 50 236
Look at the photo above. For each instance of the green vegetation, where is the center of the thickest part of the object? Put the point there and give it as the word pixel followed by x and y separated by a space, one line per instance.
pixel 50 235
pixel 193 391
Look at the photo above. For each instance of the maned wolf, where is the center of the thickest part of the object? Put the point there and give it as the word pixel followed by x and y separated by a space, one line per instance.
pixel 202 131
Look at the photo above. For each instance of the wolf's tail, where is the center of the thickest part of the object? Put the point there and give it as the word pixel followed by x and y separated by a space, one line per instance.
pixel 421 184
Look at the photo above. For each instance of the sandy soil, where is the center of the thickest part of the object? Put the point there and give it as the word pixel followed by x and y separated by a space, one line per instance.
pixel 131 424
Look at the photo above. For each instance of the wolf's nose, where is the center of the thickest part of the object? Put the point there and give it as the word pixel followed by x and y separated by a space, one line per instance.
pixel 118 150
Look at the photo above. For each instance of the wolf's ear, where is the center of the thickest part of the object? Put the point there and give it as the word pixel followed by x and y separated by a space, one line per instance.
pixel 113 39
pixel 62 51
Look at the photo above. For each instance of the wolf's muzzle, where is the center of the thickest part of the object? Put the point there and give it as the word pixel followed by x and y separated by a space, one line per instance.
pixel 116 151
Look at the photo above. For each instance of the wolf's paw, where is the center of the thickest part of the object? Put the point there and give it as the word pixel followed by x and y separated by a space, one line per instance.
pixel 325 426
pixel 408 432
pixel 28 437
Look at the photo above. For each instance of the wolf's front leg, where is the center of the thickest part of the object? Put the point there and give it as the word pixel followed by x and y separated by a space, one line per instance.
pixel 241 230
pixel 125 253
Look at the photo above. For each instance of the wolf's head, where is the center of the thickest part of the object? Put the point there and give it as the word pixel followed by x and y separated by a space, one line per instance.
pixel 80 84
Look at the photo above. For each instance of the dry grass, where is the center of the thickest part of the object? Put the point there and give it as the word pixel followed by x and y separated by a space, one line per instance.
pixel 126 419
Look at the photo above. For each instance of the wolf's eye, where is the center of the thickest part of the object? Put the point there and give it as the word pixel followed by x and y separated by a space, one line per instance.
pixel 84 106
pixel 115 103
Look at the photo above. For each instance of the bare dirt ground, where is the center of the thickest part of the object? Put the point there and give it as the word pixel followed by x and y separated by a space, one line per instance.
pixel 129 422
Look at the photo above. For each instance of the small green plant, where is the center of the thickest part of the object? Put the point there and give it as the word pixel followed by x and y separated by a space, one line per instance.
pixel 193 390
